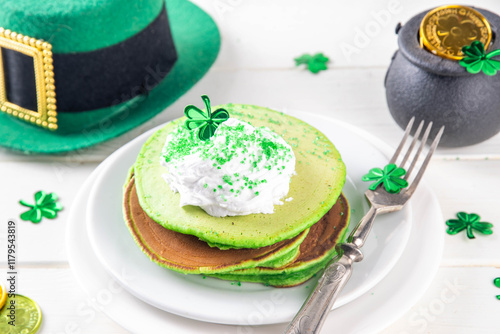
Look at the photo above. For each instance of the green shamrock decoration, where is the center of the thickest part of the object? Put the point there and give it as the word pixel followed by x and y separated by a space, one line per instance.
pixel 468 222
pixel 314 63
pixel 390 176
pixel 476 59
pixel 496 281
pixel 45 206
pixel 206 121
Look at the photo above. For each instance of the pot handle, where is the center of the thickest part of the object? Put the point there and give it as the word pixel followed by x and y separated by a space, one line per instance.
pixel 387 73
pixel 396 30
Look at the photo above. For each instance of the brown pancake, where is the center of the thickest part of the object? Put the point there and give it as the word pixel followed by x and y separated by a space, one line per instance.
pixel 325 234
pixel 186 253
pixel 315 252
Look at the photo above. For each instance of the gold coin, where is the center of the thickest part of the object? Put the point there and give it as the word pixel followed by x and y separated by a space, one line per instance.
pixel 445 30
pixel 3 296
pixel 22 312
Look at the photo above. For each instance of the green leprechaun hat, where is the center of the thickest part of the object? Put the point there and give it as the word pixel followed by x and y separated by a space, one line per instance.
pixel 74 73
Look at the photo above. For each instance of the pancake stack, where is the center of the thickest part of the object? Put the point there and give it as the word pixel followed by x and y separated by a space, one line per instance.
pixel 282 249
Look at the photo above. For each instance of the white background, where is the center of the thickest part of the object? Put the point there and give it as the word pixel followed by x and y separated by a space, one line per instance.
pixel 260 39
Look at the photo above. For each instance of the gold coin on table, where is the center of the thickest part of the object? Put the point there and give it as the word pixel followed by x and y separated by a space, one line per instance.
pixel 3 296
pixel 24 313
pixel 445 30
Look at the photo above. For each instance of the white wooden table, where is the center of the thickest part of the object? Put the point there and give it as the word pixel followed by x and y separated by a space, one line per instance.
pixel 255 66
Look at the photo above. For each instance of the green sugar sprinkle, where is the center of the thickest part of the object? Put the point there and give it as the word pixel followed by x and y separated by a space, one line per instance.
pixel 231 143
pixel 228 143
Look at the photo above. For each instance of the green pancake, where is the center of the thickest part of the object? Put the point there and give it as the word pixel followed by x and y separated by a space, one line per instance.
pixel 189 255
pixel 316 251
pixel 277 278
pixel 315 189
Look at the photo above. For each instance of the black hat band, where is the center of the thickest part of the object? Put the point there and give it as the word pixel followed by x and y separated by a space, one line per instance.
pixel 87 81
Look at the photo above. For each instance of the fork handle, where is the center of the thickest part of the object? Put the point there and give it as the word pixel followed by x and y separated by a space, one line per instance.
pixel 315 309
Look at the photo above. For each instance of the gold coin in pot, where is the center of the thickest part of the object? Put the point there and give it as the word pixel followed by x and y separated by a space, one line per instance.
pixel 445 30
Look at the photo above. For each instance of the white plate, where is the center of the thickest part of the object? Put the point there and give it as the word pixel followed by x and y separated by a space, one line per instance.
pixel 370 313
pixel 218 301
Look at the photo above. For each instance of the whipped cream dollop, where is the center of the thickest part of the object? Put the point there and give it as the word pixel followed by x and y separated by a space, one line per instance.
pixel 241 170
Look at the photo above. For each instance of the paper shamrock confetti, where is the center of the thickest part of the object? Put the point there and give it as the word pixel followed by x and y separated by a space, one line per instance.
pixel 46 205
pixel 205 121
pixel 496 281
pixel 390 177
pixel 468 222
pixel 314 63
pixel 476 59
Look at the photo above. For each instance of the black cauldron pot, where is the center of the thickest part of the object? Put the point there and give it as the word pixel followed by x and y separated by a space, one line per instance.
pixel 421 84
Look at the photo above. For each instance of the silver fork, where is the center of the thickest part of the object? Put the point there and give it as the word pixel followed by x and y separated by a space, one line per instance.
pixel 315 309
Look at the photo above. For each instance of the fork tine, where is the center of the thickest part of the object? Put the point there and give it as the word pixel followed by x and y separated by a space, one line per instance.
pixel 402 143
pixel 412 145
pixel 420 173
pixel 420 149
